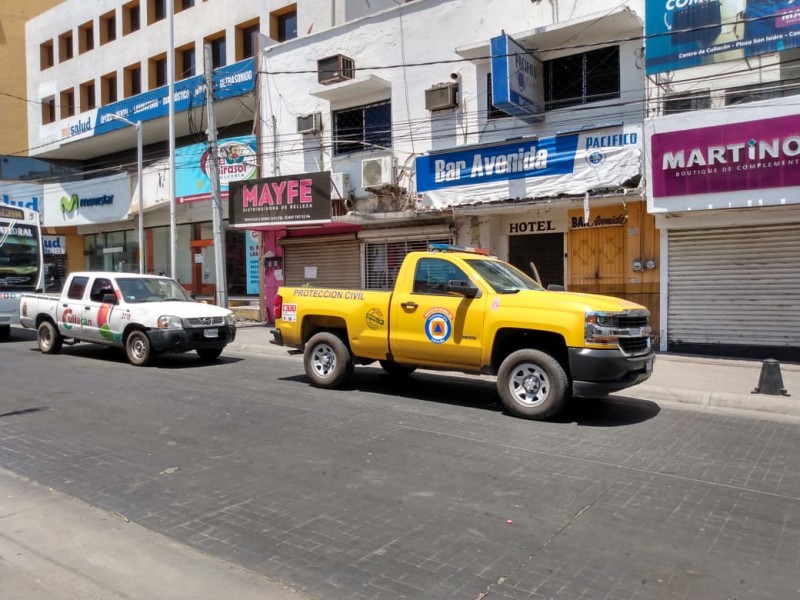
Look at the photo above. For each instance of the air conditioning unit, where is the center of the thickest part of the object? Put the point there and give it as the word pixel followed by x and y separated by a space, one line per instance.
pixel 335 68
pixel 442 96
pixel 377 172
pixel 309 123
pixel 340 186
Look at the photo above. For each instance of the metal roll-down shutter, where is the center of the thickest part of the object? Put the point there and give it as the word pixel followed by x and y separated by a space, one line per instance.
pixel 334 261
pixel 738 286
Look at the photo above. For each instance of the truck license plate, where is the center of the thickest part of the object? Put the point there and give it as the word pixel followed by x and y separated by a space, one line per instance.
pixel 211 333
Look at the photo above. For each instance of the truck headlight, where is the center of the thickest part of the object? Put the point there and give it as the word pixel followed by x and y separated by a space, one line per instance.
pixel 169 322
pixel 602 328
pixel 231 319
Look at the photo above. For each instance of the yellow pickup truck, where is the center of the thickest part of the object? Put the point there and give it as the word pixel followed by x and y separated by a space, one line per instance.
pixel 461 309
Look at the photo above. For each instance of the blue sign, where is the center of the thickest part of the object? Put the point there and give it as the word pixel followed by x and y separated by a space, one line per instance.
pixel 237 159
pixel 523 158
pixel 252 262
pixel 690 33
pixel 516 79
pixel 233 80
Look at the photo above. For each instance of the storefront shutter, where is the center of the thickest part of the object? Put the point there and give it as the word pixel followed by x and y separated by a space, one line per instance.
pixel 383 258
pixel 735 286
pixel 334 261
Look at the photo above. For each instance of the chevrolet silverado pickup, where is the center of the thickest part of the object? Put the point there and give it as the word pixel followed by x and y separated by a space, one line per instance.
pixel 144 314
pixel 461 309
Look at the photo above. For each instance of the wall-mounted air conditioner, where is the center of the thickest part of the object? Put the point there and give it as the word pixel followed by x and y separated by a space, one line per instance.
pixel 309 123
pixel 340 186
pixel 333 69
pixel 441 96
pixel 377 172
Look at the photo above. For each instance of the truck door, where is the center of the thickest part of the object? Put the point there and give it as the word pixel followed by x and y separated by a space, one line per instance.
pixel 95 322
pixel 434 327
pixel 71 307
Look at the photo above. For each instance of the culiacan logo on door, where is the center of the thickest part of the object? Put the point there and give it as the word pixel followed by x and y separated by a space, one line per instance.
pixel 438 325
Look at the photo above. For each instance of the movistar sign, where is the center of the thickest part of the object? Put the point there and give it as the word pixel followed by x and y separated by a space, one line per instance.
pixel 68 205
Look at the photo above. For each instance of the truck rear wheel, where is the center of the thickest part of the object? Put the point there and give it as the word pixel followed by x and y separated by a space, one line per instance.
pixel 532 384
pixel 138 348
pixel 48 338
pixel 327 360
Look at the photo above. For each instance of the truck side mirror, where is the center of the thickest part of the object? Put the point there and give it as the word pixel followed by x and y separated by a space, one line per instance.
pixel 554 287
pixel 465 288
pixel 109 298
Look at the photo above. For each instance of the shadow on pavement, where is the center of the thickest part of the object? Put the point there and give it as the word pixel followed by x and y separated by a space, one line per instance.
pixel 473 392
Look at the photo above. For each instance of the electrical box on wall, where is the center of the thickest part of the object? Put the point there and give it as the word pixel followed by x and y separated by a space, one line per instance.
pixel 441 96
pixel 309 123
pixel 377 172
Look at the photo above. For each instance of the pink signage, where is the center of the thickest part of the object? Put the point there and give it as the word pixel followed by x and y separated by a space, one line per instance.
pixel 738 156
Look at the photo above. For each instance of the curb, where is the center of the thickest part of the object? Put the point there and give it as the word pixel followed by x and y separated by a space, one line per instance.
pixel 779 405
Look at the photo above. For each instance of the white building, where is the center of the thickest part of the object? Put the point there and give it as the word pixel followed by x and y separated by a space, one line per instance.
pixel 398 107
pixel 723 174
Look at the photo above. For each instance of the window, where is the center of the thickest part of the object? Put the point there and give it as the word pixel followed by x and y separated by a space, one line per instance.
pixel 100 288
pixel 131 17
pixel 581 78
pixel 283 23
pixel 86 37
pixel 362 128
pixel 156 11
pixel 762 91
pixel 77 287
pixel 68 103
pixel 247 39
pixel 185 62
pixel 676 103
pixel 433 274
pixel 65 46
pixel 133 80
pixel 46 57
pixel 493 112
pixel 108 27
pixel 183 5
pixel 157 73
pixel 109 88
pixel 88 101
pixel 218 49
pixel 383 260
pixel 48 110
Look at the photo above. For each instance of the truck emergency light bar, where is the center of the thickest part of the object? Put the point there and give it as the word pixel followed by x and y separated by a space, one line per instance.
pixel 452 248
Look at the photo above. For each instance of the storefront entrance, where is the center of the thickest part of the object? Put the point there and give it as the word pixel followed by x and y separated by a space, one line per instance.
pixel 545 251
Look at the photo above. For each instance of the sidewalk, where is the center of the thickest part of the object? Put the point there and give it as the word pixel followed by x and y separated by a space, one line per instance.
pixel 54 547
pixel 711 383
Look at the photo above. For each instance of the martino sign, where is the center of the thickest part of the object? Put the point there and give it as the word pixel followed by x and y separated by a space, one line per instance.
pixel 290 200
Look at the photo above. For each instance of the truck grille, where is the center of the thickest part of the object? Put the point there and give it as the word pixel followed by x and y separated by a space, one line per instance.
pixel 633 321
pixel 205 321
pixel 636 345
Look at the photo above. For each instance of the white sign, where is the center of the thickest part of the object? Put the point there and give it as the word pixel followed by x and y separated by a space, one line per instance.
pixel 87 202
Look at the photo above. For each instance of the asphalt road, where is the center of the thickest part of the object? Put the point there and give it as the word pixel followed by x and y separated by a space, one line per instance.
pixel 418 489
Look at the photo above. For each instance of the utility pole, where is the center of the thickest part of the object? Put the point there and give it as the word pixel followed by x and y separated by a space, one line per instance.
pixel 213 172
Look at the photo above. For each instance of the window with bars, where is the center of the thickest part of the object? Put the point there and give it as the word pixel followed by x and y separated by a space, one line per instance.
pixel 362 128
pixel 383 260
pixel 582 78
pixel 676 103
pixel 762 91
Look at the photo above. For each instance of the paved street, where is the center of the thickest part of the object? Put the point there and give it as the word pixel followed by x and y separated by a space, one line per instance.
pixel 414 489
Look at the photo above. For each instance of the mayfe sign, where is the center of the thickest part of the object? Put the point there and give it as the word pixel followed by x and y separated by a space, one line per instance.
pixel 725 158
pixel 516 79
pixel 289 200
pixel 571 163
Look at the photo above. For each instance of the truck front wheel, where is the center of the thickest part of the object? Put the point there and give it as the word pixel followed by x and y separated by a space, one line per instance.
pixel 327 360
pixel 138 348
pixel 532 384
pixel 48 338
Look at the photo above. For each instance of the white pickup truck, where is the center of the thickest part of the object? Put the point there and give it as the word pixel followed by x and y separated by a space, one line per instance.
pixel 144 314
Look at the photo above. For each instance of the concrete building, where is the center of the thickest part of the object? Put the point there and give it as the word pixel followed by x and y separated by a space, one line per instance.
pixel 722 142
pixel 543 167
pixel 95 70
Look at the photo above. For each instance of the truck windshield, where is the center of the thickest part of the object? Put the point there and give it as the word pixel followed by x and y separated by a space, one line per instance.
pixel 151 289
pixel 503 277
